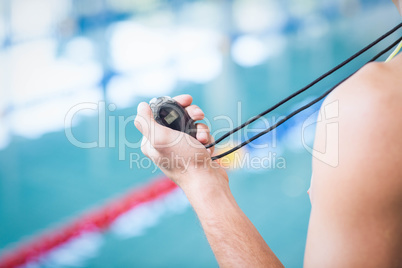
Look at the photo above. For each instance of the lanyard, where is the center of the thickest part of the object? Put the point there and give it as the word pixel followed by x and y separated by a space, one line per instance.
pixel 251 120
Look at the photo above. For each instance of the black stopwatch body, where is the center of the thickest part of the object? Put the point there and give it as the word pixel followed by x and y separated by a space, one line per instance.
pixel 171 114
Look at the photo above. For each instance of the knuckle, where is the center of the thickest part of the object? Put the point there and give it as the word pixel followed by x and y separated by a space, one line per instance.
pixel 160 140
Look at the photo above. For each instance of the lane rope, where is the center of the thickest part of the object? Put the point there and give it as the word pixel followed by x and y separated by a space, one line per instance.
pixel 93 220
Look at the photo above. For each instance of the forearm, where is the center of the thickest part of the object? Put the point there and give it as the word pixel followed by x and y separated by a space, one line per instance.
pixel 233 238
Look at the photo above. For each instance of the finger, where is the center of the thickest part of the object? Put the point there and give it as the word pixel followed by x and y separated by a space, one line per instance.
pixel 202 133
pixel 144 146
pixel 184 100
pixel 195 112
pixel 147 149
pixel 158 136
pixel 146 124
pixel 144 118
pixel 204 136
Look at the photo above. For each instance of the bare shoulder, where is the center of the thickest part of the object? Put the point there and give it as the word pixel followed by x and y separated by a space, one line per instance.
pixel 377 84
pixel 369 109
pixel 356 218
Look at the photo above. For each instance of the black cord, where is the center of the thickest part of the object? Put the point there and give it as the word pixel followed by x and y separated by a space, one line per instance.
pixel 251 120
pixel 303 107
pixel 386 49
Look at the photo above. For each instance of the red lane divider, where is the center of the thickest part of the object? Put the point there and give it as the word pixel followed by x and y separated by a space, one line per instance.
pixel 98 219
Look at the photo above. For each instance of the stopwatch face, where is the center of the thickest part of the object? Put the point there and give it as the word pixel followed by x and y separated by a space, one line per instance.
pixel 170 117
pixel 169 113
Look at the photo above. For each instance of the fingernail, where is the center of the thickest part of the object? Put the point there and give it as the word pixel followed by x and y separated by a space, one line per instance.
pixel 198 111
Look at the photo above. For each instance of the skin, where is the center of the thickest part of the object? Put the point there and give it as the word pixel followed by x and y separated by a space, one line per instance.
pixel 356 216
pixel 398 5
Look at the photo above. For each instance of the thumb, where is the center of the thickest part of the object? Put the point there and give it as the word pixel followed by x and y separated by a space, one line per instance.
pixel 144 119
pixel 159 136
pixel 154 132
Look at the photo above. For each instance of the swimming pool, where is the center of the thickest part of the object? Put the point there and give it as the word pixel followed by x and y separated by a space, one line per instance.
pixel 233 72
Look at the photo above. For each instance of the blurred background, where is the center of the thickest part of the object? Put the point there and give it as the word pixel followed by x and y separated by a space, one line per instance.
pixel 80 67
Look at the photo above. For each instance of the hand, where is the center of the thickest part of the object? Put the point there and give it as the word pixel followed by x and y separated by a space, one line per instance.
pixel 181 157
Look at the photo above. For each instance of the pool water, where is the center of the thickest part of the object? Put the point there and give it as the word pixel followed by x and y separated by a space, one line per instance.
pixel 47 180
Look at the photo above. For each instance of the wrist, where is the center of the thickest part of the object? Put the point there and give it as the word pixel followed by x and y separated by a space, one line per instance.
pixel 204 181
pixel 211 199
pixel 204 188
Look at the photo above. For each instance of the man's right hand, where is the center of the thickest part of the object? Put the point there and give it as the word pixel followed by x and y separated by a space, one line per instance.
pixel 181 157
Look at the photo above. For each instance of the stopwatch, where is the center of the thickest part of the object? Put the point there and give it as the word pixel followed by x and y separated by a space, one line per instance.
pixel 171 114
